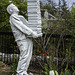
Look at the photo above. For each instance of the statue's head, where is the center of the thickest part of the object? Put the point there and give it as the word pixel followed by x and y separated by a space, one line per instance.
pixel 12 9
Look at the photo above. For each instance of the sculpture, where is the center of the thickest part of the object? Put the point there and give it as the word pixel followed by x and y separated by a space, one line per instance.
pixel 23 37
pixel 34 15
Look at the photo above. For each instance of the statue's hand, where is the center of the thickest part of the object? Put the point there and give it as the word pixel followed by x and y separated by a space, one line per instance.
pixel 40 35
pixel 34 35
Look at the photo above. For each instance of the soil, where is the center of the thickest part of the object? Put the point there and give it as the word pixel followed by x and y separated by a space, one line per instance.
pixel 5 70
pixel 35 71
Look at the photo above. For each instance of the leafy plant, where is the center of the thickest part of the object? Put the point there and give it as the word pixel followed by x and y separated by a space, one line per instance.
pixel 46 72
pixel 73 68
pixel 4 17
pixel 14 66
pixel 49 67
pixel 66 71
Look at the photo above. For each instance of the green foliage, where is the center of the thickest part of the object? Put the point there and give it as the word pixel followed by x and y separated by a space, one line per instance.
pixel 66 18
pixel 50 6
pixel 47 70
pixel 72 12
pixel 61 73
pixel 71 22
pixel 56 73
pixel 73 68
pixel 49 66
pixel 22 7
pixel 67 71
pixel 14 65
pixel 4 17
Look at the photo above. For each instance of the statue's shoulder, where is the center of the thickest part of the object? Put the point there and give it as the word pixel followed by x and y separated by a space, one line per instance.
pixel 15 16
pixel 21 16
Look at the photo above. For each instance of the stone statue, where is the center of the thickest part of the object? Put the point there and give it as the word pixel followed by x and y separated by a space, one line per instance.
pixel 23 37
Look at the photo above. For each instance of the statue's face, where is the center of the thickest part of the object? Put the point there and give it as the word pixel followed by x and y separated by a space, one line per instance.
pixel 12 9
pixel 15 9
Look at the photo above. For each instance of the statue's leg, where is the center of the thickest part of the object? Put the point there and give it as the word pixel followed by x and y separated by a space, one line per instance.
pixel 30 48
pixel 25 47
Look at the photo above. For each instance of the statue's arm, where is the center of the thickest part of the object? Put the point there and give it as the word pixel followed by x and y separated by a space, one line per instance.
pixel 23 28
pixel 23 20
